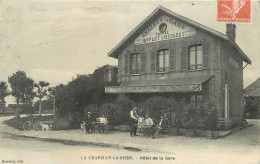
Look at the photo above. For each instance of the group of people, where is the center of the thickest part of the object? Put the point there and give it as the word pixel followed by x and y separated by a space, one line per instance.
pixel 146 124
pixel 90 122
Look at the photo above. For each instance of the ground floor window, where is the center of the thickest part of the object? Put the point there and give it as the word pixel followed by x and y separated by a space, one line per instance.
pixel 196 99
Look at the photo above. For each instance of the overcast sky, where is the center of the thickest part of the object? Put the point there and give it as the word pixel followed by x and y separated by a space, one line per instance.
pixel 55 40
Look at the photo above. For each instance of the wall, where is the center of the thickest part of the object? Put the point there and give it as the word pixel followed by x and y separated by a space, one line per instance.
pixel 211 64
pixel 232 72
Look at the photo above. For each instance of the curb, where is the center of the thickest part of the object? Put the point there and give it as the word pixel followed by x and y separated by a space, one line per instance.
pixel 134 147
pixel 68 142
pixel 235 130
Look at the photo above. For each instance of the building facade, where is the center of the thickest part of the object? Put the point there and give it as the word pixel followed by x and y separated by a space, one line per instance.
pixel 169 55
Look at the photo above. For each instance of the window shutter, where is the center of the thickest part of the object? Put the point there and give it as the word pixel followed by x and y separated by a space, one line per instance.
pixel 184 56
pixel 143 62
pixel 172 59
pixel 127 61
pixel 206 53
pixel 153 54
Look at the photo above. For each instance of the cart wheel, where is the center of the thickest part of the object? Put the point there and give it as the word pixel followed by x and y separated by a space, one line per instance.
pixel 27 126
pixel 39 126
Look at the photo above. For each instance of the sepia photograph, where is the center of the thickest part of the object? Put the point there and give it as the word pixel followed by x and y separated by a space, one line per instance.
pixel 130 81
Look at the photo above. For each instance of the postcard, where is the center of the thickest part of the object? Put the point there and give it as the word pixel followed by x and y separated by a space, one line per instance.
pixel 129 81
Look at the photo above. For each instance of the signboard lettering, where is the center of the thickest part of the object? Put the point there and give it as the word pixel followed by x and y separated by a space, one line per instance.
pixel 164 28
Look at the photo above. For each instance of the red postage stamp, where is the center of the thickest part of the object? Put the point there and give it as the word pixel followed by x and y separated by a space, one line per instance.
pixel 234 11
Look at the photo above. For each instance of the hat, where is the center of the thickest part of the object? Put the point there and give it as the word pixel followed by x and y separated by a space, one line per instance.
pixel 89 112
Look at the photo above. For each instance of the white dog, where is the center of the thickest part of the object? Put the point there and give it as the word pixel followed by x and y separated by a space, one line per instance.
pixel 46 127
pixel 83 127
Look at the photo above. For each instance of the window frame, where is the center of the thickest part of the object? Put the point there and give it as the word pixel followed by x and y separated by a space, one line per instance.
pixel 164 68
pixel 196 65
pixel 196 101
pixel 108 73
pixel 137 70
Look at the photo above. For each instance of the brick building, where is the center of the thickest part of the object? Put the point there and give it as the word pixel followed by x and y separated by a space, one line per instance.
pixel 172 56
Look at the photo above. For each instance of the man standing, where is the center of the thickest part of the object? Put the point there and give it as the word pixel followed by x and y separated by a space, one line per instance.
pixel 89 123
pixel 134 122
pixel 160 127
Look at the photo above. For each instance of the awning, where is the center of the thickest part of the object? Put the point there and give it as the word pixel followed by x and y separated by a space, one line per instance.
pixel 185 84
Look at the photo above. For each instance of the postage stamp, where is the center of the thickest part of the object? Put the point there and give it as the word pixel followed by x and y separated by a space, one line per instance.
pixel 234 11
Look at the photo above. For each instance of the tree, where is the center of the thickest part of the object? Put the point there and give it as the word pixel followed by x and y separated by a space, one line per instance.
pixel 22 88
pixel 41 92
pixel 3 93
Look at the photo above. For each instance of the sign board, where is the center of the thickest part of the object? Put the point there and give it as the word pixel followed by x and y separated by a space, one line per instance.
pixel 154 89
pixel 233 62
pixel 164 28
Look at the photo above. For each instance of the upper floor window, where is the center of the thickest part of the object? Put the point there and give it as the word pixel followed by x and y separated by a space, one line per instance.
pixel 108 75
pixel 163 60
pixel 195 57
pixel 135 63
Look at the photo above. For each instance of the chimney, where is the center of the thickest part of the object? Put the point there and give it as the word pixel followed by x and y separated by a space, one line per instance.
pixel 231 31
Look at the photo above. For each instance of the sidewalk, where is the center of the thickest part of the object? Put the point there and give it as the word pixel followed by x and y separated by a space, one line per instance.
pixel 165 144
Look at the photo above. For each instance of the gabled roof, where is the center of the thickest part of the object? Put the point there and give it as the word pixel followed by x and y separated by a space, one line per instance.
pixel 162 10
pixel 253 89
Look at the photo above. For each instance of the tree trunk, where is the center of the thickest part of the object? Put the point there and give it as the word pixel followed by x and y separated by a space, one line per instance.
pixel 17 108
pixel 54 108
pixel 40 106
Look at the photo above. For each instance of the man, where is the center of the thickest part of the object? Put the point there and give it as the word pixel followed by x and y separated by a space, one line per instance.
pixel 89 123
pixel 160 127
pixel 134 122
pixel 148 124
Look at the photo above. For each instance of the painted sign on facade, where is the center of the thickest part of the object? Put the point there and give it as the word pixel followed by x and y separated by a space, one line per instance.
pixel 154 89
pixel 233 62
pixel 164 28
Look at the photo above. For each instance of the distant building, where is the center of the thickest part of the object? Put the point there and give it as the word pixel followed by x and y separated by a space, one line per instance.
pixel 252 98
pixel 172 56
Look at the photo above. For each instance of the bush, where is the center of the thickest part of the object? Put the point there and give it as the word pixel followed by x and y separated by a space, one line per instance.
pixel 211 120
pixel 177 113
pixel 108 110
pixel 62 123
pixel 157 106
pixel 191 117
pixel 93 108
pixel 122 113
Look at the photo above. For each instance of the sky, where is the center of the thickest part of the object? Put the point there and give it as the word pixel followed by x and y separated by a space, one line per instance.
pixel 54 41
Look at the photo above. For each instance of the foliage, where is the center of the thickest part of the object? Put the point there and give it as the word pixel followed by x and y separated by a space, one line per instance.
pixel 211 120
pixel 177 112
pixel 122 113
pixel 108 110
pixel 22 88
pixel 81 92
pixel 3 91
pixel 41 92
pixel 191 116
pixel 157 106
pixel 252 106
pixel 46 104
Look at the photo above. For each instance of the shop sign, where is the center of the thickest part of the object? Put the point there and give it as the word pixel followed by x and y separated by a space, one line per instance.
pixel 164 28
pixel 154 89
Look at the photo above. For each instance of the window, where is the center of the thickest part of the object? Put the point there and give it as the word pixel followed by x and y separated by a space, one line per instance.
pixel 163 60
pixel 196 99
pixel 108 75
pixel 135 63
pixel 195 57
